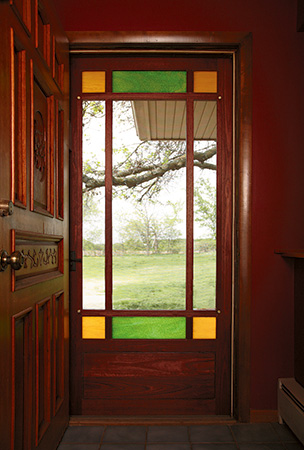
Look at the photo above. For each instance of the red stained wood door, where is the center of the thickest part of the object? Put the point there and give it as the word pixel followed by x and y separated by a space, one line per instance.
pixel 33 226
pixel 124 361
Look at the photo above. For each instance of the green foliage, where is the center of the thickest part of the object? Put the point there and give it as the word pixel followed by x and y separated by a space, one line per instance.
pixel 92 109
pixel 205 203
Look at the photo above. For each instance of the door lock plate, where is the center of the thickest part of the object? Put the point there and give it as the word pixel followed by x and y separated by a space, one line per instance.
pixel 73 261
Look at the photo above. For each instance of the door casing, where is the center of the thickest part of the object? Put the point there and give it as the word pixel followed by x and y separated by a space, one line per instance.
pixel 239 45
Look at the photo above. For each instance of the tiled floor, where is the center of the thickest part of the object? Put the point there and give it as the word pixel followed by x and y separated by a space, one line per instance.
pixel 262 436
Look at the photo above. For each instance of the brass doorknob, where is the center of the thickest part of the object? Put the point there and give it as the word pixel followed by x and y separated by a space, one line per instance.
pixel 15 260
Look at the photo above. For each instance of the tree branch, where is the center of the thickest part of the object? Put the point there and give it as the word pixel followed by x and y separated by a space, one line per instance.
pixel 143 173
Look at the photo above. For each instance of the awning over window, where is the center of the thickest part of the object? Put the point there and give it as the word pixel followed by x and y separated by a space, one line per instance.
pixel 165 120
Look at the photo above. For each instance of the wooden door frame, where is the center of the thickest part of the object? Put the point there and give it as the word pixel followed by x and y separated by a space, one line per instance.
pixel 239 45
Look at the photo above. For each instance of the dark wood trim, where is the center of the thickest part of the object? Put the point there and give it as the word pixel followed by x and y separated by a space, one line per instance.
pixel 239 44
pixel 108 205
pixel 189 203
pixel 75 245
pixel 151 313
pixel 224 164
pixel 149 420
pixel 291 253
pixel 154 40
pixel 243 227
pixel 263 415
pixel 300 15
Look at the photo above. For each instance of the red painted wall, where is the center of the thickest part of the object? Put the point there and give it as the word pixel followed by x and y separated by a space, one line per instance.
pixel 278 148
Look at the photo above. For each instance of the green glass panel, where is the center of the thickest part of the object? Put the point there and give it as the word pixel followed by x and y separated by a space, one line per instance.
pixel 149 328
pixel 149 81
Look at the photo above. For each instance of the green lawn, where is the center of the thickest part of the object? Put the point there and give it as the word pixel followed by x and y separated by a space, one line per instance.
pixel 151 282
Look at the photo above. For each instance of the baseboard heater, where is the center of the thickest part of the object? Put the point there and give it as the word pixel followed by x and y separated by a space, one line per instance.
pixel 291 406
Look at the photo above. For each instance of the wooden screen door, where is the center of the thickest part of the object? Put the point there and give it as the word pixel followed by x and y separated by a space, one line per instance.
pixel 151 235
pixel 33 227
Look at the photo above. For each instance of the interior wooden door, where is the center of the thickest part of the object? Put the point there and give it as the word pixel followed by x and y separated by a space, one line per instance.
pixel 34 226
pixel 165 349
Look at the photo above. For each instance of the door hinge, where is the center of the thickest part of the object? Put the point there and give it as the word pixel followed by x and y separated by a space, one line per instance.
pixel 73 260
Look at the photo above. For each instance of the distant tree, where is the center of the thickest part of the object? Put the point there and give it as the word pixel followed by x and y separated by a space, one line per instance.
pixel 148 227
pixel 205 205
pixel 93 219
pixel 170 233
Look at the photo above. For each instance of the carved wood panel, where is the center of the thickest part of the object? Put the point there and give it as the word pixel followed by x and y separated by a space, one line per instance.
pixel 22 375
pixel 42 177
pixel 43 258
pixel 43 367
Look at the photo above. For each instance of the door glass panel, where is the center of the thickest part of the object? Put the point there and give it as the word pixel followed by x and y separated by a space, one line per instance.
pixel 149 201
pixel 204 81
pixel 93 142
pixel 149 81
pixel 204 205
pixel 149 328
pixel 93 327
pixel 93 82
pixel 204 327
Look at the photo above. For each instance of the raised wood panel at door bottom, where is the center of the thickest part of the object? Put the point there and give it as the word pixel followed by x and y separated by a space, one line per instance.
pixel 157 383
pixel 22 379
pixel 43 367
pixel 149 388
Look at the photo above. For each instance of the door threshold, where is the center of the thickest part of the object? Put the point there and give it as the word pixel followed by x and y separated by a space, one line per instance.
pixel 150 420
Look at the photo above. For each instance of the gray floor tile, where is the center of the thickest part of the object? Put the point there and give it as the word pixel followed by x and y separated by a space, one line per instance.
pixel 254 432
pixel 214 446
pixel 285 434
pixel 269 446
pixel 210 433
pixel 293 446
pixel 85 435
pixel 78 447
pixel 125 434
pixel 168 434
pixel 122 447
pixel 171 446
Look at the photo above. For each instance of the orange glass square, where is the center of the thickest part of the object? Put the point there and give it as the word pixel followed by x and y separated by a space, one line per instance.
pixel 93 327
pixel 204 327
pixel 205 82
pixel 93 82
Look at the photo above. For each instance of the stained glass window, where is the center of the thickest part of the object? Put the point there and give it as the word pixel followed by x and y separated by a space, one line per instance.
pixel 149 328
pixel 93 82
pixel 204 328
pixel 93 327
pixel 205 82
pixel 149 81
